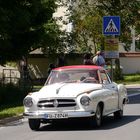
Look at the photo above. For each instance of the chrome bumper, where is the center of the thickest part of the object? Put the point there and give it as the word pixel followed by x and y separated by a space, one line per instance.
pixel 44 115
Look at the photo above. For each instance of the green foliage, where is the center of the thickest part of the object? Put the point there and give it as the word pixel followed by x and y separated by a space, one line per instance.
pixel 130 79
pixel 87 27
pixel 22 25
pixel 9 111
pixel 54 38
pixel 117 73
pixel 128 11
pixel 11 94
pixel 87 21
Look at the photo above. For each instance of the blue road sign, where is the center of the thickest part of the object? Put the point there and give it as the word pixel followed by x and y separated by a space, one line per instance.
pixel 111 25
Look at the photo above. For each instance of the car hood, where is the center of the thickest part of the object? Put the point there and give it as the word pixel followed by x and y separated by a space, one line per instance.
pixel 66 90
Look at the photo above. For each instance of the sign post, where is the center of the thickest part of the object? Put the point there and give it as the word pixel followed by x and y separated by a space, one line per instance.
pixel 112 48
pixel 111 26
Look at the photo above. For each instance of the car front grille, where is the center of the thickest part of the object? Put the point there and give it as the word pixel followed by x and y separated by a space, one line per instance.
pixel 56 103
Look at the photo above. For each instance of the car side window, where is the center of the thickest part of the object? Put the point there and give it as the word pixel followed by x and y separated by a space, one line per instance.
pixel 104 77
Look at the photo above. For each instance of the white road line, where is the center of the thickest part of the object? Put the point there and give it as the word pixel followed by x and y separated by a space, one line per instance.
pixel 135 94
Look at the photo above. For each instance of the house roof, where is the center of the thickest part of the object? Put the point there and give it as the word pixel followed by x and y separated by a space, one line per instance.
pixel 130 54
pixel 36 51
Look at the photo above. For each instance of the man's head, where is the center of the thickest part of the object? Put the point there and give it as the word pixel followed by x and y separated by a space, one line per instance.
pixel 98 53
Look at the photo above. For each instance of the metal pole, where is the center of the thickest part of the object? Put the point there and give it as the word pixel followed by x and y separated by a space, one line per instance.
pixel 10 76
pixel 111 69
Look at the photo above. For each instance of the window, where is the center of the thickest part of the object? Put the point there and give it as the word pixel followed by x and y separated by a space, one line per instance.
pixel 104 77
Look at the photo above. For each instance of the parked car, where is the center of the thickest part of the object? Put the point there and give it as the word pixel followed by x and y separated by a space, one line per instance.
pixel 80 91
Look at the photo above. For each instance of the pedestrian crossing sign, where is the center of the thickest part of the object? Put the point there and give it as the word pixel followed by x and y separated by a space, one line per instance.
pixel 111 25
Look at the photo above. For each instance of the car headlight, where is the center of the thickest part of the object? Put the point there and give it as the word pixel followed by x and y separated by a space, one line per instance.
pixel 28 102
pixel 85 100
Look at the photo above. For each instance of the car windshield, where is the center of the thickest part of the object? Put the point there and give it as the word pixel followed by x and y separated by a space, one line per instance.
pixel 71 76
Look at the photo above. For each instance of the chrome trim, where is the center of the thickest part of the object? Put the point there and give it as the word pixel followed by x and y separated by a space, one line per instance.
pixel 56 103
pixel 41 115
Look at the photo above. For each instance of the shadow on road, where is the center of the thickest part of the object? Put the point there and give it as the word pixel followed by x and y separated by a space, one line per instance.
pixel 108 123
pixel 134 99
pixel 111 123
pixel 133 89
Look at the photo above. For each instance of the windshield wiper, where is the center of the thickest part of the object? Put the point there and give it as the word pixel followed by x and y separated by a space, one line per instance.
pixel 70 81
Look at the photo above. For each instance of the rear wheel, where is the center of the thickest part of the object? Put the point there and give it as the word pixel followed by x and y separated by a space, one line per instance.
pixel 119 114
pixel 34 124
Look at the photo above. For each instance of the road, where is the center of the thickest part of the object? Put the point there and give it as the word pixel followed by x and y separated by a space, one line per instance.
pixel 127 128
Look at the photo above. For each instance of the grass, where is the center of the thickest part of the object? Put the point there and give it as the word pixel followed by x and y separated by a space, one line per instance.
pixel 7 111
pixel 130 79
pixel 16 109
pixel 13 109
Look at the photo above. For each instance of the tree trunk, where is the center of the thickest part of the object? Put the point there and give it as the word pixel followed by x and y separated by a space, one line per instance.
pixel 118 71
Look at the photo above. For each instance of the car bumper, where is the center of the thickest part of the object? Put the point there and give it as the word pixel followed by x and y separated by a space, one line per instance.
pixel 57 115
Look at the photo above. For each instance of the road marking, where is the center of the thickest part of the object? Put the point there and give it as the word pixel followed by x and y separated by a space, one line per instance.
pixel 133 94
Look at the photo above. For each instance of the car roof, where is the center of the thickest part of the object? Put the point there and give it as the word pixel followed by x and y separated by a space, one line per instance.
pixel 79 67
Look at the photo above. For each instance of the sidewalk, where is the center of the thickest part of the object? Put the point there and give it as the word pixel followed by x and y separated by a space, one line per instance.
pixel 133 86
pixel 10 119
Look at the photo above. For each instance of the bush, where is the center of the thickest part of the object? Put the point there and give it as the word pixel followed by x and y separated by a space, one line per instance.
pixel 11 94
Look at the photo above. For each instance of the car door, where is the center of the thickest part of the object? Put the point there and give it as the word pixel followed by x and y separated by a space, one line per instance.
pixel 111 100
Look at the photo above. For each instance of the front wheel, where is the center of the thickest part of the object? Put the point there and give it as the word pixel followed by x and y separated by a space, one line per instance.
pixel 119 114
pixel 98 116
pixel 34 124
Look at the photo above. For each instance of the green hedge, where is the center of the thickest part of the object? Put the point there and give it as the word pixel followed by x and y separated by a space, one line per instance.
pixel 11 94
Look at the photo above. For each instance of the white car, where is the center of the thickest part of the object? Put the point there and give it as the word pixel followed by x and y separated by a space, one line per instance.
pixel 80 91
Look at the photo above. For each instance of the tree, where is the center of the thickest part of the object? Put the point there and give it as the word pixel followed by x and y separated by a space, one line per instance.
pixel 24 26
pixel 128 11
pixel 87 26
pixel 53 41
pixel 87 20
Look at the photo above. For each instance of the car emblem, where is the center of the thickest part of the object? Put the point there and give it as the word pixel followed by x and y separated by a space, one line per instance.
pixel 55 103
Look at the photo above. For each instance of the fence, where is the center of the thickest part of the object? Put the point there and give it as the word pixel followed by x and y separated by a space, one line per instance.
pixel 10 76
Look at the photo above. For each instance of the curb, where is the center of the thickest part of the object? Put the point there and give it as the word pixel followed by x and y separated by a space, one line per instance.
pixel 133 86
pixel 10 119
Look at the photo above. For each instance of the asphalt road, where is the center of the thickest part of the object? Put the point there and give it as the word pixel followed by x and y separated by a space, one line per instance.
pixel 128 128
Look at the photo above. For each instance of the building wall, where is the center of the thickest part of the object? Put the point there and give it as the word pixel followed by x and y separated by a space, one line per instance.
pixel 130 62
pixel 39 65
pixel 130 65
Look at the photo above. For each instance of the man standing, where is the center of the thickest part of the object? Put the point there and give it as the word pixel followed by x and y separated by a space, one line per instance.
pixel 87 59
pixel 98 59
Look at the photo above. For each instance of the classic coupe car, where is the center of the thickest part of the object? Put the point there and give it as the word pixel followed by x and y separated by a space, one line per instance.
pixel 70 92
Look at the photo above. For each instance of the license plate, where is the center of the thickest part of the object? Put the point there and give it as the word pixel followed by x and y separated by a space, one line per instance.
pixel 56 116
